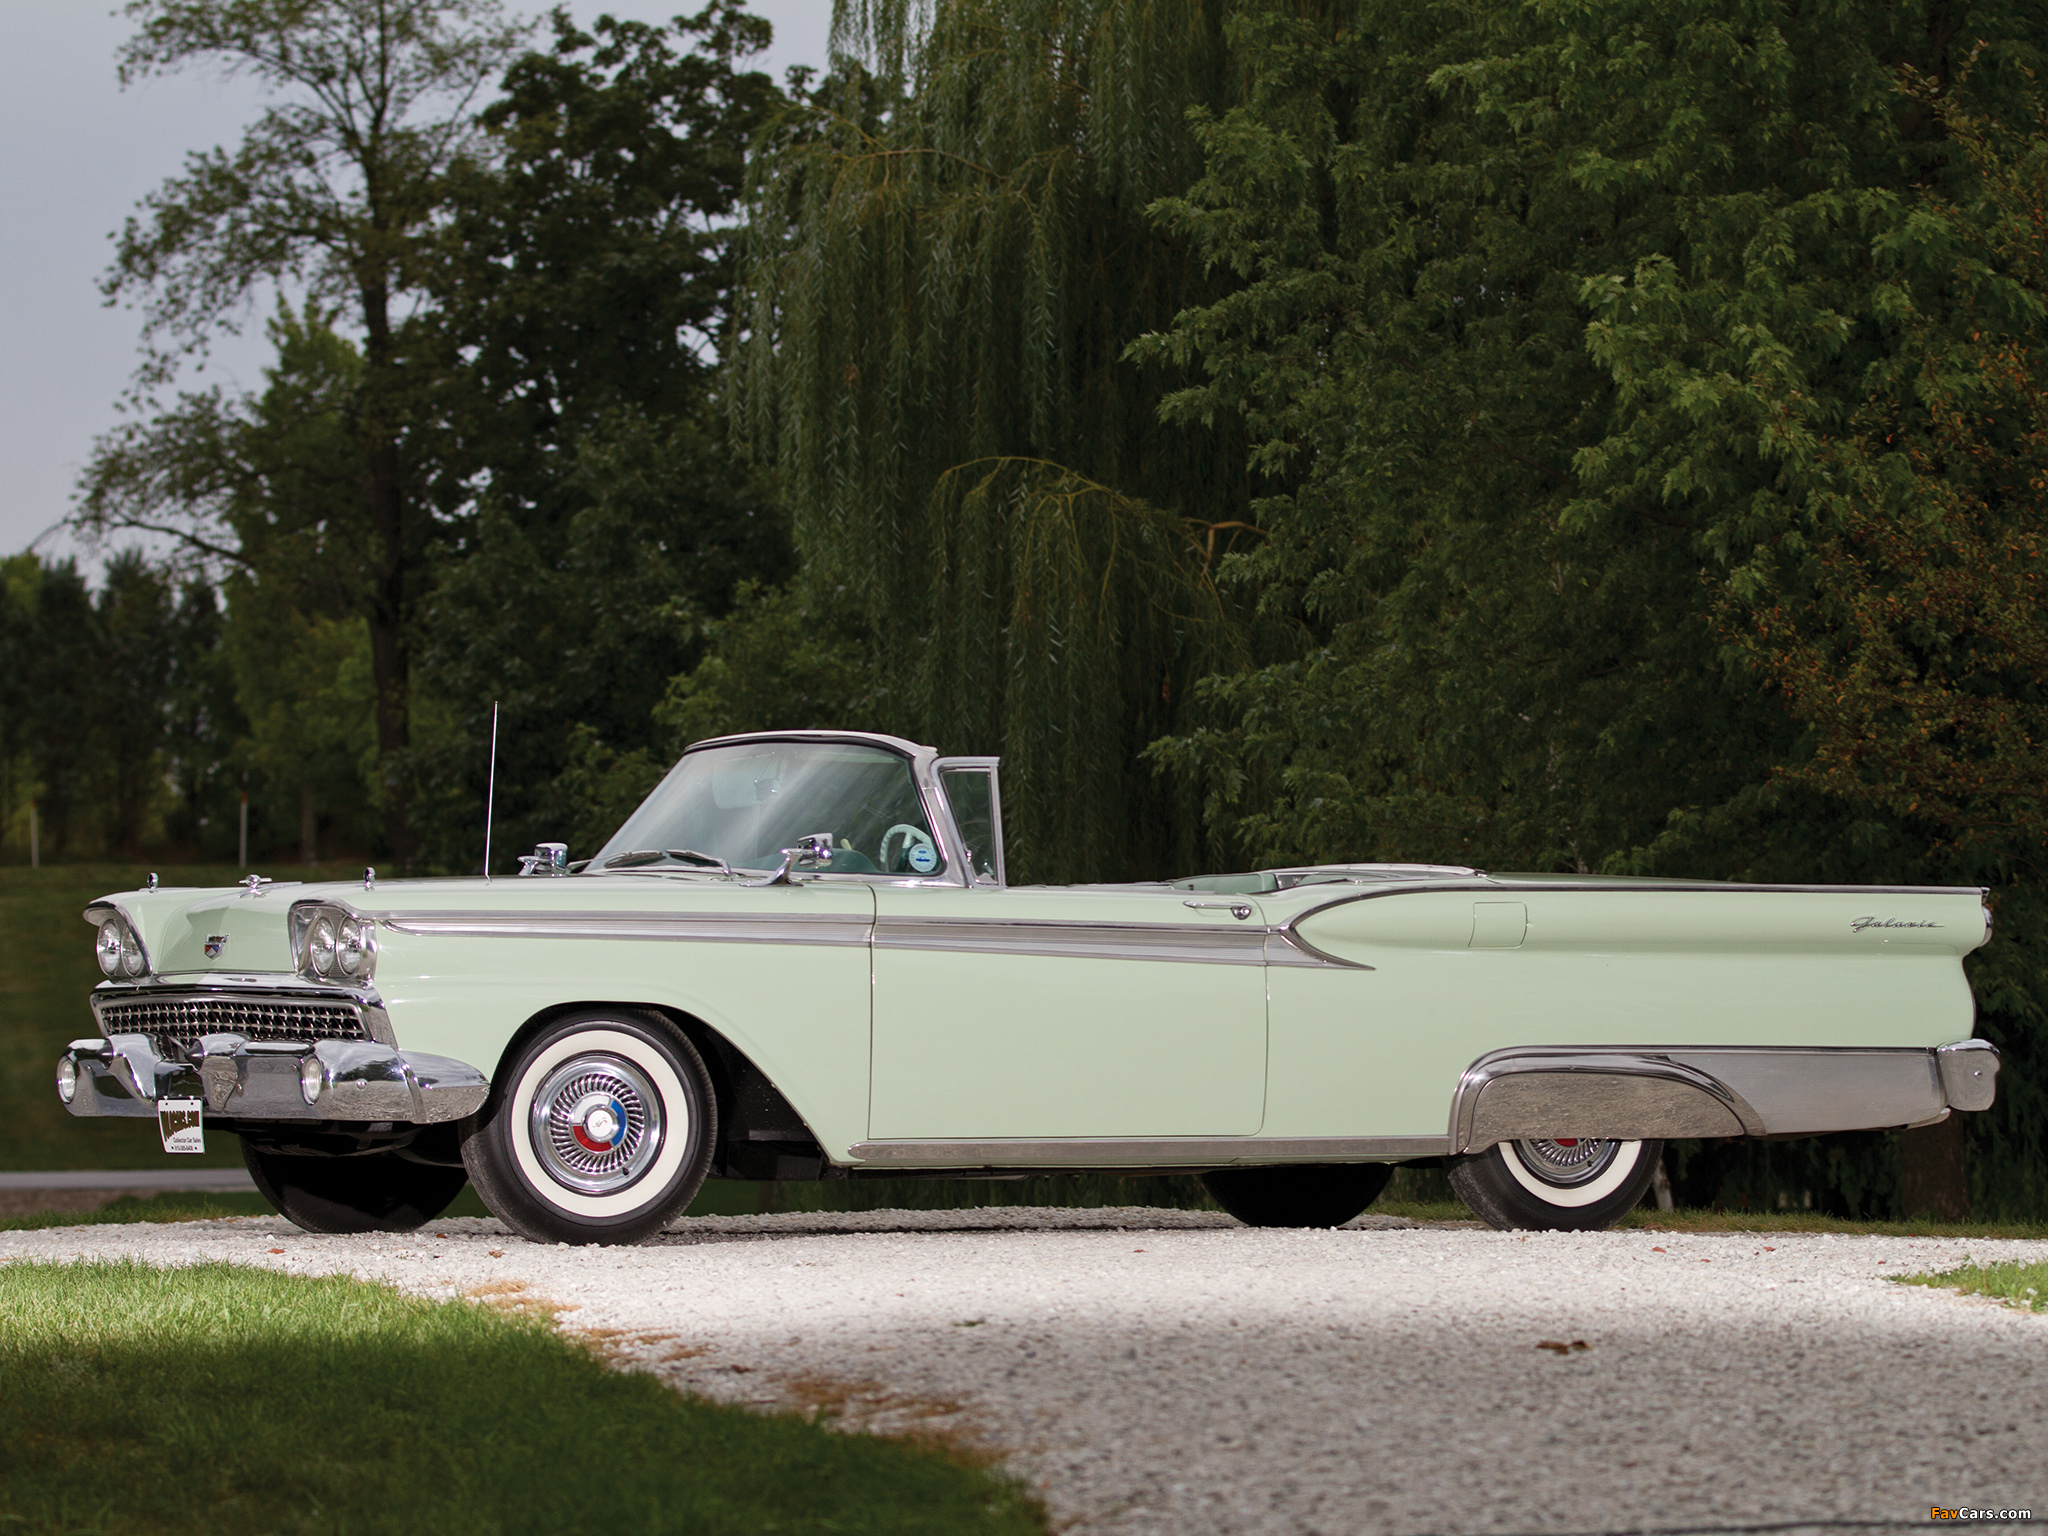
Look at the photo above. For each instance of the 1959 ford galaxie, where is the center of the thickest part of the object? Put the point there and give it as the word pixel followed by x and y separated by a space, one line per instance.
pixel 799 959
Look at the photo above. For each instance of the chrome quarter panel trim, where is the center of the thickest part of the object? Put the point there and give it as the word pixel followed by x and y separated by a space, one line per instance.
pixel 1154 1152
pixel 1286 947
pixel 830 928
pixel 1969 1073
pixel 1760 1090
pixel 1618 1105
pixel 1807 1092
pixel 1191 943
pixel 1636 1088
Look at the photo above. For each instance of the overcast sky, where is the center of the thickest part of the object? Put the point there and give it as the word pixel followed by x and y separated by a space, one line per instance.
pixel 80 152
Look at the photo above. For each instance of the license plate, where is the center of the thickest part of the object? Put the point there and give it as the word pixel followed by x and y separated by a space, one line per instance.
pixel 179 1122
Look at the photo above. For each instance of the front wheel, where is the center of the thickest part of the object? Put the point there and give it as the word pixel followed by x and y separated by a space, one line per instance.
pixel 370 1192
pixel 1322 1195
pixel 599 1130
pixel 1578 1185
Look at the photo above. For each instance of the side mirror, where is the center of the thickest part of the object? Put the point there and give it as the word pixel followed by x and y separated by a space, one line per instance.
pixel 546 859
pixel 815 849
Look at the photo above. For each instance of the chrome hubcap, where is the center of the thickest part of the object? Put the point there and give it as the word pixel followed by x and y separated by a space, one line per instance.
pixel 597 1123
pixel 1568 1162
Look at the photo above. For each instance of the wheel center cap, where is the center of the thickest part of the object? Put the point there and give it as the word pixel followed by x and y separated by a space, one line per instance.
pixel 598 1123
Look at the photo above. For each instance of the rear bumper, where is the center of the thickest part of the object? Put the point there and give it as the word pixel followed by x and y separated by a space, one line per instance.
pixel 241 1079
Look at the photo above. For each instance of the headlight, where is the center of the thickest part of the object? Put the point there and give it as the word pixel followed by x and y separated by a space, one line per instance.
pixel 320 946
pixel 118 950
pixel 331 943
pixel 351 948
pixel 132 963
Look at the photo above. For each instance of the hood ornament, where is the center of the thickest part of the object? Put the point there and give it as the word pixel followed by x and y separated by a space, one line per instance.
pixel 215 943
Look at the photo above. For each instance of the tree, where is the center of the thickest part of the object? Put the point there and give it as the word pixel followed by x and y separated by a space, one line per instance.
pixel 64 667
pixel 947 255
pixel 337 190
pixel 1544 315
pixel 204 726
pixel 598 510
pixel 136 607
pixel 1908 624
pixel 1906 616
pixel 1511 275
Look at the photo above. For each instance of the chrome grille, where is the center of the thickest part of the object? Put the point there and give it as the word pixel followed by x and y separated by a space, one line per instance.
pixel 178 1022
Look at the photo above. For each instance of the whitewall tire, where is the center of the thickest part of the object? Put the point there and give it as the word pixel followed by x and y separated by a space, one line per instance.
pixel 1581 1185
pixel 599 1130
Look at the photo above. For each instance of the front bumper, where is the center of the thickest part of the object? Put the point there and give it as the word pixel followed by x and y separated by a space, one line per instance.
pixel 242 1079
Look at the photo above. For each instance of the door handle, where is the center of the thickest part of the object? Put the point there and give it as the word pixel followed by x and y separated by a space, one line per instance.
pixel 1241 910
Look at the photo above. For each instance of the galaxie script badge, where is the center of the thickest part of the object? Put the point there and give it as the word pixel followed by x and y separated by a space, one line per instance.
pixel 1858 924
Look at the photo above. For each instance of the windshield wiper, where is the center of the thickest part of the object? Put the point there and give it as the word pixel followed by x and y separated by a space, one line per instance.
pixel 677 855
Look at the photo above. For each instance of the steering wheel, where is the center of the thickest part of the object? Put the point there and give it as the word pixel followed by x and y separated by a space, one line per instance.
pixel 913 837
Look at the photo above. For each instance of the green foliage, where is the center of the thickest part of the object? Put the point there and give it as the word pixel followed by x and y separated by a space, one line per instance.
pixel 2015 1282
pixel 155 1208
pixel 320 1405
pixel 595 506
pixel 947 254
pixel 1511 276
pixel 283 686
pixel 115 717
pixel 512 487
pixel 791 656
pixel 1546 319
pixel 338 189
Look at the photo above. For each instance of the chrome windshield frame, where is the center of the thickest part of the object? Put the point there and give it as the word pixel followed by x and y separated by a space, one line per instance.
pixel 938 812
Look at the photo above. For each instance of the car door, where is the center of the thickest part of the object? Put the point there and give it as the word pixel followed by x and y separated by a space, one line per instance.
pixel 1065 1013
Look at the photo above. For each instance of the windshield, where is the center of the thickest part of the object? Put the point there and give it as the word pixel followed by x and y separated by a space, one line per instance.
pixel 744 804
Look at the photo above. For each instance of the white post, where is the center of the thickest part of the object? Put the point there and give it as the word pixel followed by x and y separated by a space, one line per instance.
pixel 35 837
pixel 243 856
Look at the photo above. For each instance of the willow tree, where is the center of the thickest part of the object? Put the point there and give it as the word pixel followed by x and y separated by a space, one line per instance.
pixel 948 254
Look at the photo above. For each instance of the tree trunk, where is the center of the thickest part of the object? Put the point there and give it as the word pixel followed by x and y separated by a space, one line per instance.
pixel 1935 1179
pixel 390 641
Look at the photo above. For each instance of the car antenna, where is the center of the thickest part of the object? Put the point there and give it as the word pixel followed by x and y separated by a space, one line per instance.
pixel 491 791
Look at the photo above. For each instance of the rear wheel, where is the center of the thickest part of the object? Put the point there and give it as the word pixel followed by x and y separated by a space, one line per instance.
pixel 370 1192
pixel 1318 1195
pixel 1571 1185
pixel 599 1130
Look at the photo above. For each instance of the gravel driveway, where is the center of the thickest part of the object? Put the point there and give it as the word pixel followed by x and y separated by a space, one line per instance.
pixel 1172 1372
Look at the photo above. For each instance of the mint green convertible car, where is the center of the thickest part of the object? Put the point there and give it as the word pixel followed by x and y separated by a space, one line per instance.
pixel 800 959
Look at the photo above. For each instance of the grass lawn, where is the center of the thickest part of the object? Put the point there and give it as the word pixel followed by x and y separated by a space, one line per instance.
pixel 230 1400
pixel 179 1207
pixel 2017 1284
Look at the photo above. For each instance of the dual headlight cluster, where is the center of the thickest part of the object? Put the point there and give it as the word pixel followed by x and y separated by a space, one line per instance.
pixel 333 944
pixel 120 950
